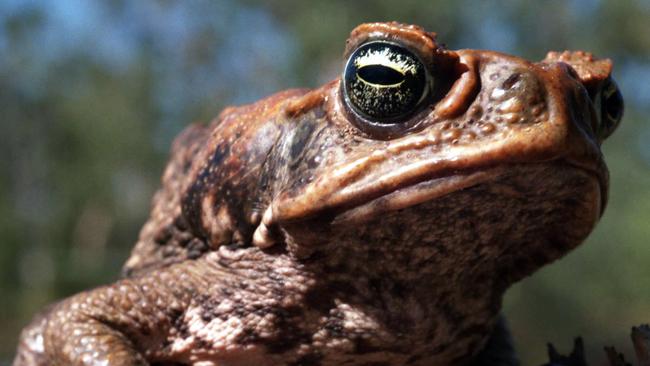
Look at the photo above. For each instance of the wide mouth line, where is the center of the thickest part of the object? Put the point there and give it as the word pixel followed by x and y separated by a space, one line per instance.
pixel 599 173
pixel 432 185
pixel 461 179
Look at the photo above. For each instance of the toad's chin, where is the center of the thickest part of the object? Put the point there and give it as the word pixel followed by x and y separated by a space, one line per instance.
pixel 554 203
pixel 507 220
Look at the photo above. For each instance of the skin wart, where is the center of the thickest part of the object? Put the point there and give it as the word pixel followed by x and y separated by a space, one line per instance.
pixel 311 229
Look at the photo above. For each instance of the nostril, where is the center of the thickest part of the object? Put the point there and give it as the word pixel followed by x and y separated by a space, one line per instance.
pixel 510 81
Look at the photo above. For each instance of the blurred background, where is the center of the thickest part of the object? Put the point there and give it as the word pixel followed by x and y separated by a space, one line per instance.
pixel 92 94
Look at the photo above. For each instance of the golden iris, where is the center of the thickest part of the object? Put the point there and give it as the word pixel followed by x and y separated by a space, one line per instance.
pixel 384 82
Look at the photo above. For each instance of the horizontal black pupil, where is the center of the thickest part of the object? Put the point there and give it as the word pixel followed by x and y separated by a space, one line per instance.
pixel 380 75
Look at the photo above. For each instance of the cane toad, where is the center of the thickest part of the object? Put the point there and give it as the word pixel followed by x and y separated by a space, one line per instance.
pixel 376 220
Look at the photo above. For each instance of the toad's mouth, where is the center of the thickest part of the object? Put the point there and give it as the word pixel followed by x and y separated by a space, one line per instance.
pixel 398 190
pixel 438 187
pixel 347 195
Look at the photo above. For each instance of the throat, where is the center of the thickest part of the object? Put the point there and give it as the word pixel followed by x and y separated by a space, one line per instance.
pixel 344 312
pixel 399 305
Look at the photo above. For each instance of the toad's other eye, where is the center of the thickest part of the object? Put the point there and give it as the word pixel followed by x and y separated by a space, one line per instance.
pixel 384 82
pixel 611 108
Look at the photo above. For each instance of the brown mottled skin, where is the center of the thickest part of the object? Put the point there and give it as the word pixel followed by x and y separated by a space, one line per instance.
pixel 292 232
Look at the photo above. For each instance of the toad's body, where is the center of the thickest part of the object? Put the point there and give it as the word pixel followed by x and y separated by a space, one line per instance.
pixel 376 220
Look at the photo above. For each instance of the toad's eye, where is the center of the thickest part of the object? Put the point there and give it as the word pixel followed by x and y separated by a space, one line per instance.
pixel 384 82
pixel 611 107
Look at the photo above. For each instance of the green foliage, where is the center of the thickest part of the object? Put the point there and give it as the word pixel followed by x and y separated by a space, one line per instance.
pixel 92 95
